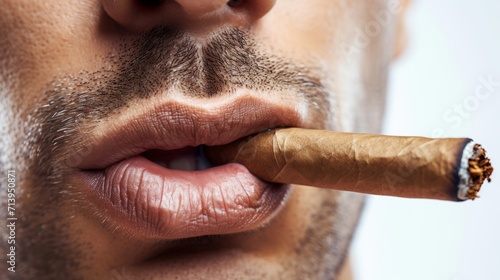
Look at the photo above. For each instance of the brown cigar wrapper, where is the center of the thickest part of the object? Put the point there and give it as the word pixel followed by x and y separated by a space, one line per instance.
pixel 413 167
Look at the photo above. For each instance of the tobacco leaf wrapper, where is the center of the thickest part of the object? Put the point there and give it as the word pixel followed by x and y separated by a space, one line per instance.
pixel 413 167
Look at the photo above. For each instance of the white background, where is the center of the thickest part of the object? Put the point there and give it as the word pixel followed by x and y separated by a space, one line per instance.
pixel 451 45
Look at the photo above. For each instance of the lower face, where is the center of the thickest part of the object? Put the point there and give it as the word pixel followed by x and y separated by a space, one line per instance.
pixel 78 81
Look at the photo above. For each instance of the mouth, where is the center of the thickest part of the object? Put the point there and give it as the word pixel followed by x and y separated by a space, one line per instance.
pixel 187 159
pixel 146 170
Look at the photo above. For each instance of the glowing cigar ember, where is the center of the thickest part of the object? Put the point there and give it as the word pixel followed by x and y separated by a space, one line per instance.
pixel 414 167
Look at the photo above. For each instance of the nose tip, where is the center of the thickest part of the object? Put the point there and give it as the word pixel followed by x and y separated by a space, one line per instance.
pixel 141 15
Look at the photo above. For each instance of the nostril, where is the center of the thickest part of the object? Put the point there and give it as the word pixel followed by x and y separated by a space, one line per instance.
pixel 150 3
pixel 234 3
pixel 142 15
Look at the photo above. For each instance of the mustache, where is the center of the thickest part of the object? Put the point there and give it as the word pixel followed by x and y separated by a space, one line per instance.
pixel 227 59
pixel 166 58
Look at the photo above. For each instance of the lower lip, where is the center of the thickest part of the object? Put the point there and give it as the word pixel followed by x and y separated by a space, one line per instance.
pixel 153 201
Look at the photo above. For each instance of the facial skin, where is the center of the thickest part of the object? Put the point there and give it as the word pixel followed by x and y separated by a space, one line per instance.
pixel 86 85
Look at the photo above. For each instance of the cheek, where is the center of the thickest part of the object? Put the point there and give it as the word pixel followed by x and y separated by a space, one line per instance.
pixel 43 39
pixel 301 29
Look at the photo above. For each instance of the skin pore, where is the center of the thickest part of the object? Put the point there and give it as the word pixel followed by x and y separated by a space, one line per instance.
pixel 69 68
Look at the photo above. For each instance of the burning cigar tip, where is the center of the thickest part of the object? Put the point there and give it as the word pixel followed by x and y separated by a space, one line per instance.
pixel 413 167
pixel 479 169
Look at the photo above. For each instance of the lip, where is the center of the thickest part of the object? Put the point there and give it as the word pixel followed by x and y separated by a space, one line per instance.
pixel 150 200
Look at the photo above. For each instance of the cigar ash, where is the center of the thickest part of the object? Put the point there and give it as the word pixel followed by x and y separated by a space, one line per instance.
pixel 480 169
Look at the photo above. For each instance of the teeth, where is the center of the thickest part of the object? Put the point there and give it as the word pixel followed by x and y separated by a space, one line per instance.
pixel 187 163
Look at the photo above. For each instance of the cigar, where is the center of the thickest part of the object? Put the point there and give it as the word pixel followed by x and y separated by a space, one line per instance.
pixel 411 167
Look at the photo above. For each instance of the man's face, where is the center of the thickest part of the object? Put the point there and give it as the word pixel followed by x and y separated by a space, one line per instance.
pixel 105 109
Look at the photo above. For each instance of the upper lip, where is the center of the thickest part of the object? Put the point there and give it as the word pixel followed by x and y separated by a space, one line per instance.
pixel 173 124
